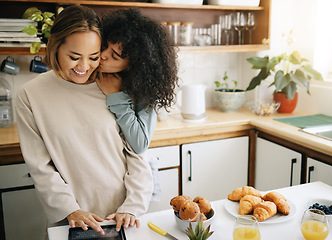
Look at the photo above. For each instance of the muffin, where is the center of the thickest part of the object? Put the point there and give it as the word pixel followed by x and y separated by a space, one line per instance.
pixel 189 211
pixel 177 201
pixel 204 204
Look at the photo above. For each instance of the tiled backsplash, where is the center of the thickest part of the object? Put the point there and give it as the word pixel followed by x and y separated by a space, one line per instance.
pixel 193 68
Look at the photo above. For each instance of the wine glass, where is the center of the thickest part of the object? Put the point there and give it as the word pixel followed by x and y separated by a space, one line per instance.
pixel 314 225
pixel 246 228
pixel 250 26
pixel 239 24
pixel 226 26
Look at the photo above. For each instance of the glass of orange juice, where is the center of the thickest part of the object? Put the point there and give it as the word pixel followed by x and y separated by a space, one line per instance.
pixel 246 228
pixel 314 225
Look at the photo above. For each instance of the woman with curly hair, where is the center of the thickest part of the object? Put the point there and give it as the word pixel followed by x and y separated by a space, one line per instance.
pixel 139 72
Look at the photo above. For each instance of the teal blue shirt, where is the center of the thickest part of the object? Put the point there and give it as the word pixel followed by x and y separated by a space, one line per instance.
pixel 137 125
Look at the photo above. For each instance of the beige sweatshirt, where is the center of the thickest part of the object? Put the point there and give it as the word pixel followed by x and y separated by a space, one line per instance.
pixel 75 153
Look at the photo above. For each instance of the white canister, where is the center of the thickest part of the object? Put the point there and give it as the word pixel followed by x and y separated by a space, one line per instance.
pixel 193 101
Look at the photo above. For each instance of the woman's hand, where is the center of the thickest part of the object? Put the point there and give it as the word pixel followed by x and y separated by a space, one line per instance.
pixel 110 83
pixel 124 219
pixel 81 219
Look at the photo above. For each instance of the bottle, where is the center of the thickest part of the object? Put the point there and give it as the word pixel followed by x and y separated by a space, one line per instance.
pixel 6 106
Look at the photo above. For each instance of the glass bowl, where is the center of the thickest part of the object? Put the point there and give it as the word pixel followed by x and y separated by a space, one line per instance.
pixel 263 109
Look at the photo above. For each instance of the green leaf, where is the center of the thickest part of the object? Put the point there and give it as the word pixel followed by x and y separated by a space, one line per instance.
pixel 281 80
pixel 28 13
pixel 217 83
pixel 263 74
pixel 295 58
pixel 307 69
pixel 272 63
pixel 30 29
pixel 48 15
pixel 46 30
pixel 48 21
pixel 290 90
pixel 300 78
pixel 35 46
pixel 37 16
pixel 258 62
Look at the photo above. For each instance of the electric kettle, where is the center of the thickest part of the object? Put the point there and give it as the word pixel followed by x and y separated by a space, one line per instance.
pixel 193 101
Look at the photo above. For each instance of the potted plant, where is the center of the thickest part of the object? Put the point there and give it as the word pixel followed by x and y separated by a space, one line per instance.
pixel 199 233
pixel 289 70
pixel 228 99
pixel 45 22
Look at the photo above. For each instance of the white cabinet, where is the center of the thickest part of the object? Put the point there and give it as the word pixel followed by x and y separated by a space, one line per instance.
pixel 318 171
pixel 276 166
pixel 167 160
pixel 24 218
pixel 213 169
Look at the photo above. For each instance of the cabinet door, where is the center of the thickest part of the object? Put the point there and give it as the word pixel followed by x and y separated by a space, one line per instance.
pixel 213 169
pixel 167 160
pixel 23 215
pixel 318 171
pixel 276 166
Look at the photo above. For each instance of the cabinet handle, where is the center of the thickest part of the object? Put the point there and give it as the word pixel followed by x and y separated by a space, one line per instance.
pixel 190 166
pixel 292 170
pixel 311 169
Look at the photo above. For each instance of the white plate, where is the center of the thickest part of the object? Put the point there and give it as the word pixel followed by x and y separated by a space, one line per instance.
pixel 233 208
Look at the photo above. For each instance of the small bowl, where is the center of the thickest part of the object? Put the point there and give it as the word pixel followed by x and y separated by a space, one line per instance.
pixel 183 225
pixel 326 202
pixel 264 109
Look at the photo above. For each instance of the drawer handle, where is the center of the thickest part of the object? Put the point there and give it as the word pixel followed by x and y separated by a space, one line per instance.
pixel 190 166
pixel 311 169
pixel 292 170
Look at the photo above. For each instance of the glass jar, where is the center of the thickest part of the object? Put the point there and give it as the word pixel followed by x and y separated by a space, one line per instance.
pixel 186 33
pixel 174 29
pixel 6 106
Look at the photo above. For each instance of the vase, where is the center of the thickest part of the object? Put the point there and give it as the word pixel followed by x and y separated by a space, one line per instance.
pixel 286 105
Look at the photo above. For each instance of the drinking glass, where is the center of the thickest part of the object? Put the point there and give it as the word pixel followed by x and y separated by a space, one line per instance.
pixel 314 225
pixel 246 228
pixel 226 27
pixel 239 24
pixel 250 26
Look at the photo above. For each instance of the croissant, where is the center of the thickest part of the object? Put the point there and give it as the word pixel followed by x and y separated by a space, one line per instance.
pixel 279 200
pixel 265 210
pixel 238 193
pixel 248 203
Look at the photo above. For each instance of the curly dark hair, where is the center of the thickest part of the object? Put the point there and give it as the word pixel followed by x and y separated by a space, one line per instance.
pixel 152 72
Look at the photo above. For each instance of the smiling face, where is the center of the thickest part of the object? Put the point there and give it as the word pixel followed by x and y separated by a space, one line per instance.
pixel 111 61
pixel 79 56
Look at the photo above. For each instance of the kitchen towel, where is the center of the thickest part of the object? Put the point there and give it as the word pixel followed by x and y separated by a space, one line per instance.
pixel 156 181
pixel 307 120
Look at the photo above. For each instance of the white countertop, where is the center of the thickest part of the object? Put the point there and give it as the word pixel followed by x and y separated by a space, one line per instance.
pixel 223 222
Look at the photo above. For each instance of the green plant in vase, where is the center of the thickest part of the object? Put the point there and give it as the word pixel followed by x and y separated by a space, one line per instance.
pixel 45 22
pixel 228 99
pixel 199 233
pixel 289 70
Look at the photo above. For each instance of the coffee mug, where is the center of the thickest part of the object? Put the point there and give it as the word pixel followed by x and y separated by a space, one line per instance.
pixel 37 65
pixel 8 66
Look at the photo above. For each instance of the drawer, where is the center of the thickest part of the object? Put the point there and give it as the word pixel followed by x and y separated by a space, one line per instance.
pixel 166 156
pixel 16 175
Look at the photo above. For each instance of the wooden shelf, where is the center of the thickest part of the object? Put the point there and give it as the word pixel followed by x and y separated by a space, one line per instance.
pixel 201 15
pixel 139 4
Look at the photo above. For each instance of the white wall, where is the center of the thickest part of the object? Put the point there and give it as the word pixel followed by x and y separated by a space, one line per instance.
pixel 299 15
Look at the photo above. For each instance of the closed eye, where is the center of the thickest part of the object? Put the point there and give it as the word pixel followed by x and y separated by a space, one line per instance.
pixel 74 59
pixel 94 59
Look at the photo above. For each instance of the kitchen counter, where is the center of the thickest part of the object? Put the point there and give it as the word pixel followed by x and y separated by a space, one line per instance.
pixel 217 125
pixel 223 222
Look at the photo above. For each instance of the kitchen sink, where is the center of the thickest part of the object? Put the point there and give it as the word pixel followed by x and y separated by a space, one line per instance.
pixel 324 131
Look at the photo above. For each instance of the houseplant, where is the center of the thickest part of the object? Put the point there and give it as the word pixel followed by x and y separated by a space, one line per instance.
pixel 199 233
pixel 45 22
pixel 289 71
pixel 228 99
